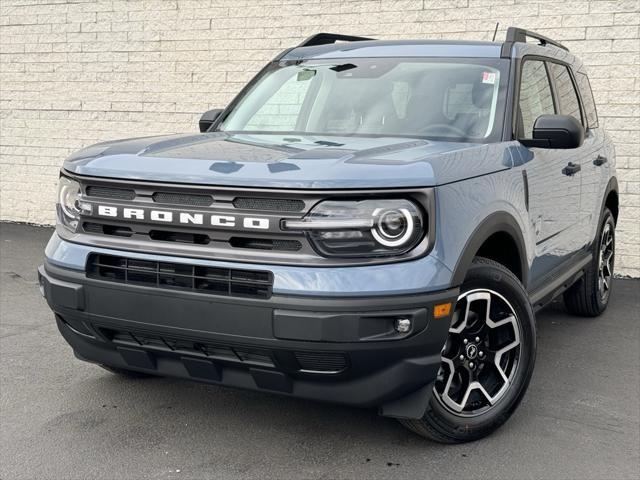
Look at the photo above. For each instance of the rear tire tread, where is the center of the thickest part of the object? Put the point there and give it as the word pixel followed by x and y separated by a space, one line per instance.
pixel 583 298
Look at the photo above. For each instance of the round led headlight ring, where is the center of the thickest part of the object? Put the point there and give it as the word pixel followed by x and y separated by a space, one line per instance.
pixel 68 198
pixel 393 227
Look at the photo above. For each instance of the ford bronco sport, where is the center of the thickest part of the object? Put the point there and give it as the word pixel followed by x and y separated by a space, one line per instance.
pixel 369 222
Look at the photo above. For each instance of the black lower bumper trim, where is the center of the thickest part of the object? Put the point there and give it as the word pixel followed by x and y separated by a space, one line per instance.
pixel 240 343
pixel 202 369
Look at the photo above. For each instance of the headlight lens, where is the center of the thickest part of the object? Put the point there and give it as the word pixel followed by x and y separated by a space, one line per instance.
pixel 70 204
pixel 364 228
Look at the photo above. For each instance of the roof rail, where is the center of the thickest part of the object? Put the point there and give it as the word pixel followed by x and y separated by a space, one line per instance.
pixel 520 35
pixel 327 38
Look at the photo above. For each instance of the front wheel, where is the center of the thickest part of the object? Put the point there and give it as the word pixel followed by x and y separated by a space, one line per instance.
pixel 487 360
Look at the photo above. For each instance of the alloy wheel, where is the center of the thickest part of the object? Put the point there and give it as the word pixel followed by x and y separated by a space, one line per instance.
pixel 605 262
pixel 481 355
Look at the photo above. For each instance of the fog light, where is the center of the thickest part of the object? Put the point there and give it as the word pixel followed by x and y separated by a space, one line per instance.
pixel 41 286
pixel 403 325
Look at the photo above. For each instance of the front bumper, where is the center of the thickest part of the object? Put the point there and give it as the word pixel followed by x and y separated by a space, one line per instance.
pixel 335 349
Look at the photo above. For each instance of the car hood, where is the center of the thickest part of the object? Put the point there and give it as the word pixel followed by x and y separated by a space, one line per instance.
pixel 290 161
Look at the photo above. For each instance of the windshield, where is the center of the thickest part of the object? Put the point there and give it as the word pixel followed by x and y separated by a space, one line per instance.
pixel 448 99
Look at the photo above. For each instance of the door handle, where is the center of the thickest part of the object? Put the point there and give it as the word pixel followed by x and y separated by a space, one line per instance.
pixel 600 160
pixel 571 168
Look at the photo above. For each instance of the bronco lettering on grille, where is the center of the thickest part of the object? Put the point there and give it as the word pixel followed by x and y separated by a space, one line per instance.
pixel 184 218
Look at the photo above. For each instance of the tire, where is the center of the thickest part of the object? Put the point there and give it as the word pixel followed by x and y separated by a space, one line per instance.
pixel 123 372
pixel 590 295
pixel 510 320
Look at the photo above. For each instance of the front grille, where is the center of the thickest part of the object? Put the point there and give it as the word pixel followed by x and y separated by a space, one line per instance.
pixel 246 355
pixel 111 192
pixel 222 223
pixel 321 362
pixel 178 276
pixel 269 204
pixel 182 199
pixel 236 224
pixel 193 238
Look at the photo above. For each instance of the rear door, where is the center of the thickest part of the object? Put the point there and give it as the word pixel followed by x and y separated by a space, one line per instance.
pixel 554 190
pixel 589 155
pixel 596 166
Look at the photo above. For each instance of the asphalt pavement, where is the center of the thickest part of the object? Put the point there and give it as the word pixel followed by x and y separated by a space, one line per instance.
pixel 63 418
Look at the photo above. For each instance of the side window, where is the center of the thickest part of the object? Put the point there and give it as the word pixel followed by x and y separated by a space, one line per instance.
pixel 587 100
pixel 535 97
pixel 565 91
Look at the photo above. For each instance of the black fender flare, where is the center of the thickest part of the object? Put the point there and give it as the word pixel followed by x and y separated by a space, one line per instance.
pixel 612 186
pixel 497 222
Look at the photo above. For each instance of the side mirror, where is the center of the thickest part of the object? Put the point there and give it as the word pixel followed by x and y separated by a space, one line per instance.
pixel 208 118
pixel 556 131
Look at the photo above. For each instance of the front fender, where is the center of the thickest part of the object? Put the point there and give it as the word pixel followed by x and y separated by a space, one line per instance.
pixel 470 211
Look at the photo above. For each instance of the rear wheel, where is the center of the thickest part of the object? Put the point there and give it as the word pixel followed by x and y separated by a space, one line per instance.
pixel 487 360
pixel 589 296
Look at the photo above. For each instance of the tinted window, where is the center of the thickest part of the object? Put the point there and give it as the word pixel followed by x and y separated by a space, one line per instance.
pixel 449 99
pixel 281 110
pixel 587 100
pixel 535 96
pixel 566 91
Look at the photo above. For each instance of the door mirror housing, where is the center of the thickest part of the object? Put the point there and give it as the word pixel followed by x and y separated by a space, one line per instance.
pixel 208 118
pixel 556 131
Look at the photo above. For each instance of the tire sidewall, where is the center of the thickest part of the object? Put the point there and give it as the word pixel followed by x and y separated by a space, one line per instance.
pixel 606 217
pixel 487 276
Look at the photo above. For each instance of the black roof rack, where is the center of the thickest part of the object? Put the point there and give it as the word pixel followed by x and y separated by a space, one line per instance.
pixel 327 38
pixel 515 34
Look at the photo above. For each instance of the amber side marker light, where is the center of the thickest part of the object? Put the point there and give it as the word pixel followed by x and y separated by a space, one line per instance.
pixel 441 310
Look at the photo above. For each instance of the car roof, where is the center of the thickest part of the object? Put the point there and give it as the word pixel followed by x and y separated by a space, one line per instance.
pixel 516 45
pixel 396 48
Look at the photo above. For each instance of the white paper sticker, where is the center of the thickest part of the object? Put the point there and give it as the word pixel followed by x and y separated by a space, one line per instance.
pixel 489 77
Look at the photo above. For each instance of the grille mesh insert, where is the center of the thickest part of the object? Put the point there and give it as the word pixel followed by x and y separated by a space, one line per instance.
pixel 265 244
pixel 324 362
pixel 169 275
pixel 271 204
pixel 103 229
pixel 190 199
pixel 111 192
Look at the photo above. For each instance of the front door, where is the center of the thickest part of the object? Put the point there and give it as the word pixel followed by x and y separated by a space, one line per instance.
pixel 553 176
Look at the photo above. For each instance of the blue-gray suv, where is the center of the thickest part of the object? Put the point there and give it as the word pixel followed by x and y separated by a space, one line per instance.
pixel 368 222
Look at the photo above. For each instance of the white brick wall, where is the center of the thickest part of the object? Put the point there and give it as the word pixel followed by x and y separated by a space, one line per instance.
pixel 75 72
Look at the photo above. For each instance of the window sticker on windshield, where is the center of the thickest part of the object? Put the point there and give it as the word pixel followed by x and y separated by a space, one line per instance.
pixel 489 77
pixel 306 74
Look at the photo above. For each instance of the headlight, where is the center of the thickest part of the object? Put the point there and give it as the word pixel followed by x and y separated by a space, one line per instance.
pixel 365 228
pixel 70 204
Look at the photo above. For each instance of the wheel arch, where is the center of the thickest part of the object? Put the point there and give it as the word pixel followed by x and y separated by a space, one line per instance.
pixel 611 200
pixel 498 229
